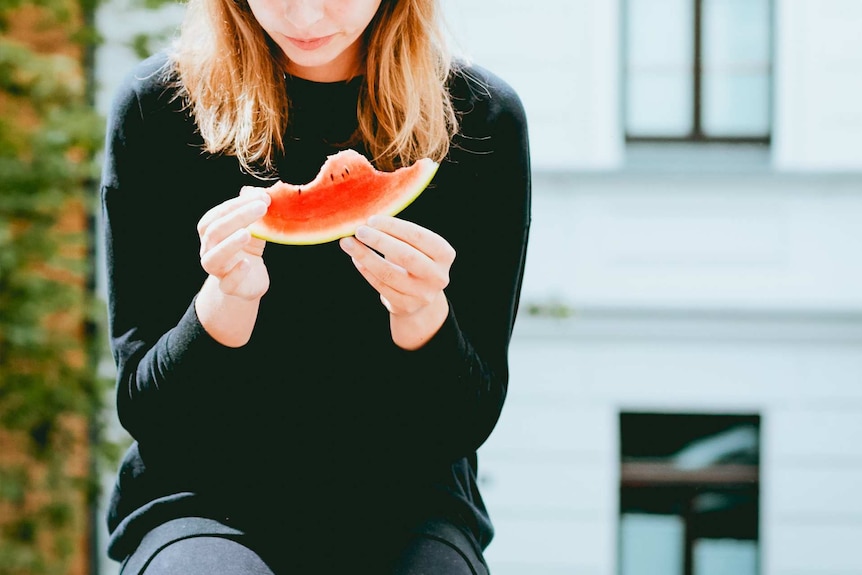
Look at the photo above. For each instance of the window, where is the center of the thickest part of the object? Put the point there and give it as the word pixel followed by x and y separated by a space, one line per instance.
pixel 689 494
pixel 698 70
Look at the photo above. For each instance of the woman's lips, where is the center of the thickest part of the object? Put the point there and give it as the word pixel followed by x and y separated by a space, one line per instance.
pixel 310 43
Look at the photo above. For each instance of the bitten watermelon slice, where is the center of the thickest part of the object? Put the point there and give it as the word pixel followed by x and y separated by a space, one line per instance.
pixel 343 195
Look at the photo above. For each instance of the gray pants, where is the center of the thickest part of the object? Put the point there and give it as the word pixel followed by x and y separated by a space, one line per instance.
pixel 425 553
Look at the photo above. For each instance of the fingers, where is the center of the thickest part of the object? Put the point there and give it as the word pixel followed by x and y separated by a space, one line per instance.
pixel 228 252
pixel 405 263
pixel 232 280
pixel 388 294
pixel 235 213
pixel 423 239
pixel 376 268
pixel 224 256
pixel 398 252
pixel 418 250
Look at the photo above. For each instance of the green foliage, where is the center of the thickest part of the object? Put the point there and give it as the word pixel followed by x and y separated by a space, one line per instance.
pixel 550 309
pixel 49 138
pixel 144 44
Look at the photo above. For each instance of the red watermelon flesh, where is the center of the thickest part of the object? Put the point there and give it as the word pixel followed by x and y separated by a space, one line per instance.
pixel 344 194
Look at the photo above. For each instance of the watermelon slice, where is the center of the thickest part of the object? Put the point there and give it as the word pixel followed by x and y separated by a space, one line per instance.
pixel 343 195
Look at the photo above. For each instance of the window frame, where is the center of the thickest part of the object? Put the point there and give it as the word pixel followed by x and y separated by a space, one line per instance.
pixel 687 484
pixel 697 134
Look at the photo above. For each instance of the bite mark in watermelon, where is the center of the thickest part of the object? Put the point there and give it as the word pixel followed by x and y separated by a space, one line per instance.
pixel 345 193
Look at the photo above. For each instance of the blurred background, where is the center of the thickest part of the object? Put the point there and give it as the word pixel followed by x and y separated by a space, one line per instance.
pixel 686 392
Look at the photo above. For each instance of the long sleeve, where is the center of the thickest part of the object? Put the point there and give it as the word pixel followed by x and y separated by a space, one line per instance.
pixel 164 357
pixel 461 375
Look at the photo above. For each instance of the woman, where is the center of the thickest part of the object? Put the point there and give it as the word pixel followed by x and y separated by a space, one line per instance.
pixel 308 409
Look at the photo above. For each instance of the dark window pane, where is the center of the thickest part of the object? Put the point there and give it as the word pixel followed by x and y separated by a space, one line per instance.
pixel 689 494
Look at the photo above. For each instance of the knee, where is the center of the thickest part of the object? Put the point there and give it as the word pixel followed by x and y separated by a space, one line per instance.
pixel 431 556
pixel 205 556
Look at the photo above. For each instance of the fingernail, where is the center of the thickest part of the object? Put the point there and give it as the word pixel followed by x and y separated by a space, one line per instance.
pixel 373 221
pixel 261 208
pixel 347 243
pixel 362 232
pixel 261 194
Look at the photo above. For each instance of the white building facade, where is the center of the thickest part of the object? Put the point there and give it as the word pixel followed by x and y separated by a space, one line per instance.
pixel 701 286
pixel 669 277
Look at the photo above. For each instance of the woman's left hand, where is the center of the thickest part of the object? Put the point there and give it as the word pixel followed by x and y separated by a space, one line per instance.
pixel 409 266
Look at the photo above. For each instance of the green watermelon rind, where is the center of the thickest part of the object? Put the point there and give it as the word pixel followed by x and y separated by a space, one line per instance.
pixel 420 184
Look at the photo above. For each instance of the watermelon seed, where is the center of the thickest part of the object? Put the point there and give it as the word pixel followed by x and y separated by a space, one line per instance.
pixel 332 177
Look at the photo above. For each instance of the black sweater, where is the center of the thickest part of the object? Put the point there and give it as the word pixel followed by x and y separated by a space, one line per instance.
pixel 320 422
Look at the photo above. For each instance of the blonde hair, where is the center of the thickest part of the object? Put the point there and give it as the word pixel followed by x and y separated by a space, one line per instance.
pixel 232 77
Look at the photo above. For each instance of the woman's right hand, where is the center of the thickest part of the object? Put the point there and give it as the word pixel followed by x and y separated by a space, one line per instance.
pixel 229 253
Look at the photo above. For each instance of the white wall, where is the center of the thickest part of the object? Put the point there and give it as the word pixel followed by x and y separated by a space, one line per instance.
pixel 689 241
pixel 722 293
pixel 818 73
pixel 562 58
pixel 550 470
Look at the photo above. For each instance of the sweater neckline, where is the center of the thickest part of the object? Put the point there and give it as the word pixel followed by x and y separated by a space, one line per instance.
pixel 298 87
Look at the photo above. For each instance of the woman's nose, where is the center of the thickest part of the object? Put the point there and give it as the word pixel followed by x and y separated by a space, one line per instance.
pixel 302 14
